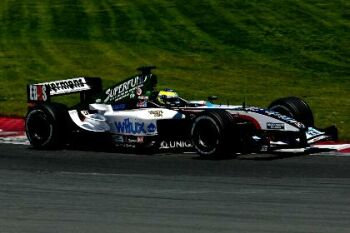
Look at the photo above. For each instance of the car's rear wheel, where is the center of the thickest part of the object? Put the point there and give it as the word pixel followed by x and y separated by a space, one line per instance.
pixel 46 125
pixel 210 133
pixel 295 108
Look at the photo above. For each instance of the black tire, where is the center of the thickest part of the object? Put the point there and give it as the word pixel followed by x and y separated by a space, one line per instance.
pixel 210 133
pixel 295 108
pixel 46 125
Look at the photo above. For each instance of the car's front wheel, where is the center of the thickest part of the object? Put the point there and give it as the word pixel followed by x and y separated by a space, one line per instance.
pixel 210 133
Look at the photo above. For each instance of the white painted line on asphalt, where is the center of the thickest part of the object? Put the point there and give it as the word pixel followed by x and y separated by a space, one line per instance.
pixel 334 147
pixel 7 133
pixel 293 150
pixel 334 153
pixel 19 140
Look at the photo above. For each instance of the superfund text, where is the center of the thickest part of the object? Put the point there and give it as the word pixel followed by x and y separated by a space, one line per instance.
pixel 122 89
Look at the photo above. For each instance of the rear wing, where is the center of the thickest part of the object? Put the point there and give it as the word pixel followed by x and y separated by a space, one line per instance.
pixel 42 92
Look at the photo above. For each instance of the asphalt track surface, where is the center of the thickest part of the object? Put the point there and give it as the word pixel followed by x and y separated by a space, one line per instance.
pixel 86 191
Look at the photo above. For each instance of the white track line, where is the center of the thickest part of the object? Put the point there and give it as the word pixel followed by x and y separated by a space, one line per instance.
pixel 17 140
pixel 335 147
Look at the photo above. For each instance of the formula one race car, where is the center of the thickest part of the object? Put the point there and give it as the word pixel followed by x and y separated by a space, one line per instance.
pixel 133 114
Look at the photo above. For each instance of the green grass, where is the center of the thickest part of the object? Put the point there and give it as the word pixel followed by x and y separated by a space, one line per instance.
pixel 237 49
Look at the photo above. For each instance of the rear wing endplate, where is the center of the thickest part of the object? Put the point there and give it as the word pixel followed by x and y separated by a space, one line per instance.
pixel 41 92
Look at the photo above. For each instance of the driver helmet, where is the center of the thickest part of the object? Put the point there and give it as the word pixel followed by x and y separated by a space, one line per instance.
pixel 168 97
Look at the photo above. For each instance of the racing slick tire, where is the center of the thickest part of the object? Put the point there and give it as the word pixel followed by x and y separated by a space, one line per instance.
pixel 210 133
pixel 46 125
pixel 295 108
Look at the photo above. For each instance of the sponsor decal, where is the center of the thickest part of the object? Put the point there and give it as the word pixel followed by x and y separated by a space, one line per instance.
pixel 118 138
pixel 117 107
pixel 123 90
pixel 131 140
pixel 138 91
pixel 264 148
pixel 271 125
pixel 85 112
pixel 151 128
pixel 38 93
pixel 277 115
pixel 175 144
pixel 156 113
pixel 141 104
pixel 67 86
pixel 130 127
pixel 134 140
pixel 312 132
pixel 140 139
